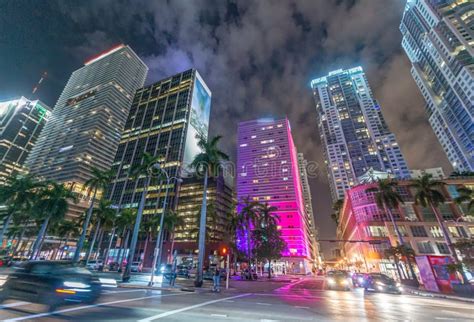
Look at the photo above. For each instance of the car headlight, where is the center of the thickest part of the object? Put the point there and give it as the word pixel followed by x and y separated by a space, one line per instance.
pixel 360 280
pixel 331 281
pixel 344 282
pixel 76 284
pixel 398 285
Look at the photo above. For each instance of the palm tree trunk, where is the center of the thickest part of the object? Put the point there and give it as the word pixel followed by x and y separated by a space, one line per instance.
pixel 125 247
pixel 99 244
pixel 107 251
pixel 4 230
pixel 20 239
pixel 80 243
pixel 202 233
pixel 147 240
pixel 136 230
pixel 269 268
pixel 395 226
pixel 40 237
pixel 91 248
pixel 447 238
pixel 172 243
pixel 249 251
pixel 122 241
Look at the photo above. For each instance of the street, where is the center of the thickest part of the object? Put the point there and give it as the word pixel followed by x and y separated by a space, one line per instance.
pixel 298 300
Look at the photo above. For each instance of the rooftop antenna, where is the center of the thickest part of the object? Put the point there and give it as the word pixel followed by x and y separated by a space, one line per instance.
pixel 43 76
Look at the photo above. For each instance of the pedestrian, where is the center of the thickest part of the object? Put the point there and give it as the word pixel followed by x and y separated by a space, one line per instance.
pixel 216 278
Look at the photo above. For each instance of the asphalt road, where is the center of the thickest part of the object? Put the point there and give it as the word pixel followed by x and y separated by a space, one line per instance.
pixel 304 300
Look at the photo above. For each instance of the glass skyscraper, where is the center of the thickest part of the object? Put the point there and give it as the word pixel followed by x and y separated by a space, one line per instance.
pixel 21 122
pixel 353 131
pixel 268 172
pixel 164 120
pixel 85 126
pixel 438 38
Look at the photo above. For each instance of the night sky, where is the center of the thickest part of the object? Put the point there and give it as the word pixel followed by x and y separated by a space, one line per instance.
pixel 257 57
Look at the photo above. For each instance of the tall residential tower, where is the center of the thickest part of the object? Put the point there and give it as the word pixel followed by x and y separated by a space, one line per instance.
pixel 438 38
pixel 21 122
pixel 355 136
pixel 85 126
pixel 267 172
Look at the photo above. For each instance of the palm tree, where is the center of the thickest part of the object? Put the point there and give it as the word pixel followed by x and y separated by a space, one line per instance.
pixel 145 168
pixel 52 206
pixel 123 223
pixel 208 161
pixel 67 229
pixel 428 195
pixel 172 221
pixel 248 218
pixel 387 198
pixel 266 215
pixel 400 251
pixel 337 206
pixel 232 228
pixel 17 194
pixel 103 214
pixel 98 182
pixel 466 195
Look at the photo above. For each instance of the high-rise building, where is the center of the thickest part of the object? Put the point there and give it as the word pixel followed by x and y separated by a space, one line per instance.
pixel 312 232
pixel 267 172
pixel 164 120
pixel 353 131
pixel 438 38
pixel 21 121
pixel 85 126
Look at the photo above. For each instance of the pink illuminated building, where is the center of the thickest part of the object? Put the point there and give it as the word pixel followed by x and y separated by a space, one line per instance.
pixel 267 171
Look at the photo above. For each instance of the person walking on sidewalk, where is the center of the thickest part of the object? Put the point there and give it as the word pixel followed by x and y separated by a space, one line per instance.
pixel 216 278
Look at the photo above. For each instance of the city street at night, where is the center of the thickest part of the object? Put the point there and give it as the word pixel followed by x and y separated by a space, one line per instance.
pixel 299 300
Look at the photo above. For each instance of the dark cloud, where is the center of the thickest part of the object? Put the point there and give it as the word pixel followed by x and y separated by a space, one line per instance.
pixel 257 57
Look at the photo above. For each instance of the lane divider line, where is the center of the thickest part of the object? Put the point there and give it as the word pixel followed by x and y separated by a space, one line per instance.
pixel 168 313
pixel 39 315
pixel 14 304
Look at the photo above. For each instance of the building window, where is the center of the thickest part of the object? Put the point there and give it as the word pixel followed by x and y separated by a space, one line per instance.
pixel 443 248
pixel 436 231
pixel 377 231
pixel 458 232
pixel 410 213
pixel 418 231
pixel 425 247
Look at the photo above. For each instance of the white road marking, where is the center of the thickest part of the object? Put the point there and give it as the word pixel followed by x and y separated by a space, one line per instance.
pixel 260 303
pixel 168 313
pixel 302 307
pixel 14 304
pixel 219 315
pixel 126 291
pixel 455 313
pixel 291 284
pixel 39 315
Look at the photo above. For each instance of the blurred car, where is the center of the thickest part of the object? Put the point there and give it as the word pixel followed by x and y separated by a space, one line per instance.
pixel 5 261
pixel 246 274
pixel 183 271
pixel 113 266
pixel 136 267
pixel 52 283
pixel 378 282
pixel 95 265
pixel 338 280
pixel 358 280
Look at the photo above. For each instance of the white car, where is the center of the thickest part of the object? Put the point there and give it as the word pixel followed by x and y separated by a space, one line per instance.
pixel 136 267
pixel 95 265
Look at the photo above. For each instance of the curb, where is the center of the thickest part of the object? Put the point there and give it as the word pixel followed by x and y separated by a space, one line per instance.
pixel 157 288
pixel 448 297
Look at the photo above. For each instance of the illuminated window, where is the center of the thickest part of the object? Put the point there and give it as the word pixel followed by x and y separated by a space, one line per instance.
pixel 243 145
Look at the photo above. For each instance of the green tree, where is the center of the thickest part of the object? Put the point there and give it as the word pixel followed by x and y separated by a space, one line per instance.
pixel 268 244
pixel 123 224
pixel 248 218
pixel 172 221
pixel 267 215
pixel 400 251
pixel 387 198
pixel 18 194
pixel 143 169
pixel 336 207
pixel 104 214
pixel 207 163
pixel 52 206
pixel 66 229
pixel 427 194
pixel 98 182
pixel 466 195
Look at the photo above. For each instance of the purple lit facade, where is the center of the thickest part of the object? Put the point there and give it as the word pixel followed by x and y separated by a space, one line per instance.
pixel 267 172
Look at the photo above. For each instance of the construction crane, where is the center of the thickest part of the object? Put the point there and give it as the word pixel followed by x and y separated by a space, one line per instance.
pixel 43 76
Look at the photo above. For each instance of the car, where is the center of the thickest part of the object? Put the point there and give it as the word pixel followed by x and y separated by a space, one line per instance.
pixel 183 271
pixel 378 282
pixel 52 283
pixel 95 265
pixel 136 267
pixel 338 280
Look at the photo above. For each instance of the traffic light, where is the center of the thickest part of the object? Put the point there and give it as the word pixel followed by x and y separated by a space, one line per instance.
pixel 223 251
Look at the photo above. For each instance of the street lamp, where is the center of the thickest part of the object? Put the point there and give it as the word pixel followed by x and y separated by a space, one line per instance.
pixel 159 239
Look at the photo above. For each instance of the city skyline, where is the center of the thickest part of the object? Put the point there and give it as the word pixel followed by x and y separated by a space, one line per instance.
pixel 304 47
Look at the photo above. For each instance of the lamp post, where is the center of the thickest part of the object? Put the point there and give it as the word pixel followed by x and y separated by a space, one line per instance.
pixel 159 239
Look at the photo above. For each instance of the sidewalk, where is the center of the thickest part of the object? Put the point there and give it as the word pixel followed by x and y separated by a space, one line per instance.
pixel 425 293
